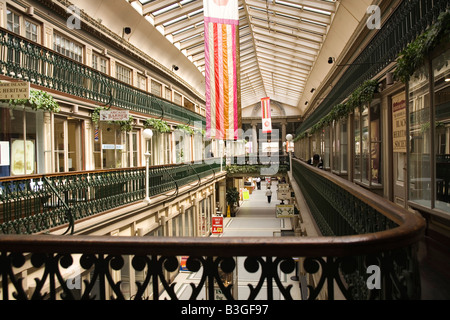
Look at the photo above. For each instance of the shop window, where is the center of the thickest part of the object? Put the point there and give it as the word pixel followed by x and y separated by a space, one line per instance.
pixel 123 74
pixel 131 150
pixel 156 88
pixel 177 98
pixel 67 47
pixel 182 141
pixel 189 105
pixel 67 145
pixel 325 147
pixel 441 73
pixel 367 159
pixel 160 142
pixel 31 31
pixel 100 63
pixel 13 21
pixel 23 26
pixel 419 135
pixel 109 146
pixel 20 131
pixel 142 82
pixel 168 94
pixel 339 146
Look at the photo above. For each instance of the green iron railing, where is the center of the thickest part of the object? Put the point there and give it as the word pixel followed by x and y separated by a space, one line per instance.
pixel 29 61
pixel 340 209
pixel 329 267
pixel 31 204
pixel 409 20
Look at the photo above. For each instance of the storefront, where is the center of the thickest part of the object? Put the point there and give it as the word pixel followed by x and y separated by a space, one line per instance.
pixel 21 141
pixel 429 134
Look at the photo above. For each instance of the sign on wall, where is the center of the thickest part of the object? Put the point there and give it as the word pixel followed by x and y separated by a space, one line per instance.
pixel 14 90
pixel 217 225
pixel 285 210
pixel 114 115
pixel 399 123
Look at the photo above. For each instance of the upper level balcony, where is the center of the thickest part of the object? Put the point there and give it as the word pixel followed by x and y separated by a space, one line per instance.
pixel 367 250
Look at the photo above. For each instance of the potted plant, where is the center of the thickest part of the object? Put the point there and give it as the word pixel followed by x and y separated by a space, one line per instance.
pixel 232 198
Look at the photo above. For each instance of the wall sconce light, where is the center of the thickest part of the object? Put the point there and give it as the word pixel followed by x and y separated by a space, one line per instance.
pixel 126 31
pixel 175 67
pixel 331 60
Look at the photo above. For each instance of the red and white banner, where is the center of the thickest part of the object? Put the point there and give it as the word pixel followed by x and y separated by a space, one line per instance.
pixel 221 18
pixel 265 115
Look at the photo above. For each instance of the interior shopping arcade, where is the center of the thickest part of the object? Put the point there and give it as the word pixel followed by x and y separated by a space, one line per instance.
pixel 140 142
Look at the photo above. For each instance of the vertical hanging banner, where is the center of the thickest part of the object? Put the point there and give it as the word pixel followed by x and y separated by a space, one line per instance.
pixel 221 19
pixel 265 114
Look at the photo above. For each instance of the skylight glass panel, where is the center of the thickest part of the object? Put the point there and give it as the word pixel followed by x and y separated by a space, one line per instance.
pixel 292 5
pixel 175 20
pixel 317 11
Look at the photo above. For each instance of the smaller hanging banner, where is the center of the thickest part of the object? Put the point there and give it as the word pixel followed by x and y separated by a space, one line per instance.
pixel 265 114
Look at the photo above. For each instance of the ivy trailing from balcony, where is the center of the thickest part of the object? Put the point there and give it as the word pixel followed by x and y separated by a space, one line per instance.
pixel 186 129
pixel 413 56
pixel 125 125
pixel 157 124
pixel 39 100
pixel 362 96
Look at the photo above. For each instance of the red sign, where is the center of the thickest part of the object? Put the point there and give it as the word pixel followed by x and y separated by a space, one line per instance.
pixel 217 225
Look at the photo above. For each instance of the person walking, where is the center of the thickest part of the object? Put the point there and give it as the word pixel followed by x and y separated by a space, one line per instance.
pixel 258 183
pixel 269 195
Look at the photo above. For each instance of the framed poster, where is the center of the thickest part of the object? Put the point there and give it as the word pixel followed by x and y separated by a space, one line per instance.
pixel 19 164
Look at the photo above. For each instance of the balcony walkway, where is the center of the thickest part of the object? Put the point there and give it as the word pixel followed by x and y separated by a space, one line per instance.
pixel 255 218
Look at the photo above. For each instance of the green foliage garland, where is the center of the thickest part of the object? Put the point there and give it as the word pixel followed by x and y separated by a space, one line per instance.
pixel 186 129
pixel 362 96
pixel 413 56
pixel 39 100
pixel 157 124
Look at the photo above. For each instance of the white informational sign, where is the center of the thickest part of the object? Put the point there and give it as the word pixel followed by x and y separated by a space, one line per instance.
pixel 270 147
pixel 284 210
pixel 114 115
pixel 112 146
pixel 14 90
pixel 4 153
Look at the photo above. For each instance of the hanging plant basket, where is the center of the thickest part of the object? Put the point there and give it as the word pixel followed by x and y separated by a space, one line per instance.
pixel 39 100
pixel 157 124
pixel 362 96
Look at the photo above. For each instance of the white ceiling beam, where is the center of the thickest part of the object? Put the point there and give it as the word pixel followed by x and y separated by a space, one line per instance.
pixel 290 11
pixel 183 24
pixel 188 33
pixel 156 5
pixel 282 40
pixel 309 27
pixel 315 40
pixel 178 12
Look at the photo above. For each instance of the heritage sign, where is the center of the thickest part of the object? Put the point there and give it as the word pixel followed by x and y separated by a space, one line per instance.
pixel 14 90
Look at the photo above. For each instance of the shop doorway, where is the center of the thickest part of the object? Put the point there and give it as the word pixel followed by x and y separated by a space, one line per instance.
pixel 68 140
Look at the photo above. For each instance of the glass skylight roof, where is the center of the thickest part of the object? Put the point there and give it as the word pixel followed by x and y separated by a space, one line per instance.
pixel 277 33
